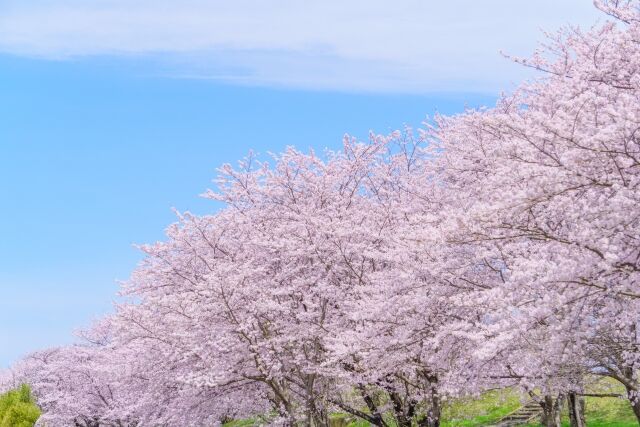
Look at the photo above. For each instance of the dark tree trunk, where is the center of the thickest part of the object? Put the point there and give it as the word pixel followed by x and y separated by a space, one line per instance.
pixel 84 422
pixel 432 418
pixel 320 418
pixel 316 417
pixel 401 414
pixel 281 404
pixel 576 410
pixel 435 411
pixel 376 416
pixel 551 410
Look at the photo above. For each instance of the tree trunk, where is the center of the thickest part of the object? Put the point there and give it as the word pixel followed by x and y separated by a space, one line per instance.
pixel 402 420
pixel 320 418
pixel 282 404
pixel 634 400
pixel 376 416
pixel 576 410
pixel 434 413
pixel 551 410
pixel 316 417
pixel 629 380
pixel 432 418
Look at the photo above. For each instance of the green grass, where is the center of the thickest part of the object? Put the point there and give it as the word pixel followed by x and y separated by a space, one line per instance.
pixel 17 409
pixel 492 406
pixel 606 411
pixel 488 408
pixel 609 412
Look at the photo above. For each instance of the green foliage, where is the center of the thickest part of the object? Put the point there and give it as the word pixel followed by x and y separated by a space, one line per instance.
pixel 17 408
pixel 240 423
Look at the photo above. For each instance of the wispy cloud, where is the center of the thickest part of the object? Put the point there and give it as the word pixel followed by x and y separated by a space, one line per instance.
pixel 372 45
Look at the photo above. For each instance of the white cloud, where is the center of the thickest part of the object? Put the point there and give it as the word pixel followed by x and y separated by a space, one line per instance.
pixel 379 45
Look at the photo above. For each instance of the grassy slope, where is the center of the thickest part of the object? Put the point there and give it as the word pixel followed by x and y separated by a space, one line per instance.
pixel 492 406
pixel 600 412
pixel 607 411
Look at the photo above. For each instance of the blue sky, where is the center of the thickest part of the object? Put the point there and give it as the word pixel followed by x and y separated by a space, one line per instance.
pixel 113 112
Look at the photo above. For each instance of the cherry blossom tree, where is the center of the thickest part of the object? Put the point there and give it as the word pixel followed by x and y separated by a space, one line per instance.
pixel 310 285
pixel 71 386
pixel 551 176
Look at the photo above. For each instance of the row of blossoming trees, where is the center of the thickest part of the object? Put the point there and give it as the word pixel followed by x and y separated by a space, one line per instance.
pixel 494 248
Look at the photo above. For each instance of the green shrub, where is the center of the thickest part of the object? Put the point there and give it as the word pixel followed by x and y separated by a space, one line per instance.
pixel 17 408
